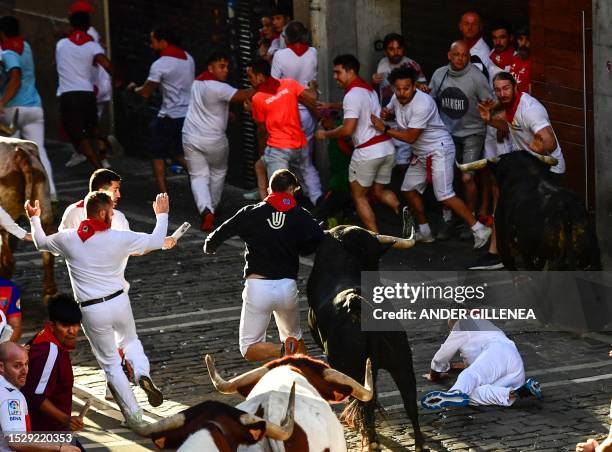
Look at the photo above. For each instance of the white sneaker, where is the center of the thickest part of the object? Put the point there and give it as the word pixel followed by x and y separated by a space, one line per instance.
pixel 75 159
pixel 481 237
pixel 420 237
pixel 105 164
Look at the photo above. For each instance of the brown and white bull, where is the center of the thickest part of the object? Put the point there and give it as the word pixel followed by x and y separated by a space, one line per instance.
pixel 212 426
pixel 316 426
pixel 22 177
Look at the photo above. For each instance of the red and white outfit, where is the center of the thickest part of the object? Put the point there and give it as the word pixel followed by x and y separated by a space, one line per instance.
pixel 95 256
pixel 14 416
pixel 299 62
pixel 75 213
pixel 500 61
pixel 374 155
pixel 433 152
pixel 205 143
pixel 174 71
pixel 526 118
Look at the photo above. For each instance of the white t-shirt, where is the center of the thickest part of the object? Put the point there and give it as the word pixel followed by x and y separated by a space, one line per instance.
pixel 13 411
pixel 422 113
pixel 482 51
pixel 74 214
pixel 102 80
pixel 175 77
pixel 208 110
pixel 75 67
pixel 360 104
pixel 96 265
pixel 287 64
pixel 529 119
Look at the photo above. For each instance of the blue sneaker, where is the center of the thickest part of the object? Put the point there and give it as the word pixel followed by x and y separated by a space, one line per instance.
pixel 534 388
pixel 435 400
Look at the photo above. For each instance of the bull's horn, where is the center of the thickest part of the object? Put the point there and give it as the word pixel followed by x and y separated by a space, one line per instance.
pixel 274 431
pixel 493 159
pixel 549 160
pixel 397 241
pixel 231 387
pixel 363 393
pixel 472 166
pixel 142 428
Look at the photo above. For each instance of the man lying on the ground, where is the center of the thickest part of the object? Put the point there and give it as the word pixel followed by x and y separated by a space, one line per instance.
pixel 494 375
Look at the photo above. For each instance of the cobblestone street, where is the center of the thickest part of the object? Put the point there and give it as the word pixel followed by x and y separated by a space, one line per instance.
pixel 187 304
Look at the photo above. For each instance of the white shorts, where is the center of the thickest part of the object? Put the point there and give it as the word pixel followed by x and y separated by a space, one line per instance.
pixel 366 172
pixel 442 172
pixel 261 298
pixel 492 148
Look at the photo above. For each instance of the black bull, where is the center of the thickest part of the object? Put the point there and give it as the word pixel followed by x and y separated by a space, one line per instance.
pixel 335 323
pixel 540 225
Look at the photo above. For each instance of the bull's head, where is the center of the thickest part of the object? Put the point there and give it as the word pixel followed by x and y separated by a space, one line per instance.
pixel 9 131
pixel 225 423
pixel 331 384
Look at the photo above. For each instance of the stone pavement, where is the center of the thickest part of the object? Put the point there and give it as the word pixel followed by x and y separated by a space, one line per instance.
pixel 187 304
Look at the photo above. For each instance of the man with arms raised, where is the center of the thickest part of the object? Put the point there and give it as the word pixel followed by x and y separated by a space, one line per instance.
pixel 420 125
pixel 95 256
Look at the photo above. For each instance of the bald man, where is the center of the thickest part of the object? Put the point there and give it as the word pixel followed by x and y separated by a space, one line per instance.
pixel 14 417
pixel 471 27
pixel 457 88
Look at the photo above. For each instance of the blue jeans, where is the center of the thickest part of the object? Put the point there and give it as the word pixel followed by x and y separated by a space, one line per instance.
pixel 278 158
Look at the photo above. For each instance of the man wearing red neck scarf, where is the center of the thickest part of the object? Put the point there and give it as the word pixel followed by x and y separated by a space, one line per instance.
pixel 173 73
pixel 77 57
pixel 374 155
pixel 204 140
pixel 48 387
pixel 299 62
pixel 276 232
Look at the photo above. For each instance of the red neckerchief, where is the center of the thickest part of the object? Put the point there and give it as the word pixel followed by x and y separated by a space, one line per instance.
pixel 81 203
pixel 299 48
pixel 358 83
pixel 270 86
pixel 207 75
pixel 174 52
pixel 471 42
pixel 89 227
pixel 510 112
pixel 46 335
pixel 14 43
pixel 79 37
pixel 502 59
pixel 281 201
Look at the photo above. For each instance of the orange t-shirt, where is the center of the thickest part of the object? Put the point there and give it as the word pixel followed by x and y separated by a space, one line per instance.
pixel 279 113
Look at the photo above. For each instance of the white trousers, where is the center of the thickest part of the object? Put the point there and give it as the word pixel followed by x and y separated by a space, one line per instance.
pixel 31 126
pixel 312 181
pixel 490 378
pixel 207 166
pixel 108 326
pixel 261 298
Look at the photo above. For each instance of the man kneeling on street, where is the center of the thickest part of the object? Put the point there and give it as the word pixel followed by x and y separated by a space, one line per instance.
pixel 276 232
pixel 494 374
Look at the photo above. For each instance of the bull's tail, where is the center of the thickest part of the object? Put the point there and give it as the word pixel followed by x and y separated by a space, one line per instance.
pixel 22 161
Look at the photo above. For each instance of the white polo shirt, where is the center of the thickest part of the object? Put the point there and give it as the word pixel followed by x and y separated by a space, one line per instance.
pixel 14 416
pixel 208 110
pixel 75 68
pixel 175 77
pixel 74 214
pixel 96 265
pixel 529 119
pixel 361 103
pixel 422 113
pixel 287 64
pixel 482 51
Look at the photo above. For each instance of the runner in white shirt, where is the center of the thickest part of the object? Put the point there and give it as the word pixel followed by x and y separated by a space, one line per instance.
pixel 419 124
pixel 494 373
pixel 471 28
pixel 204 140
pixel 394 57
pixel 374 155
pixel 299 62
pixel 95 256
pixel 173 72
pixel 77 57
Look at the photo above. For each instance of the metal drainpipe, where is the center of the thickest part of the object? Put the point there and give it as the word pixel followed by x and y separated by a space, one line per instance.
pixel 315 13
pixel 584 111
pixel 111 104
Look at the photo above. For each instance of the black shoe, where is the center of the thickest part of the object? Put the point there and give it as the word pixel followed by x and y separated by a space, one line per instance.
pixel 489 261
pixel 154 395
